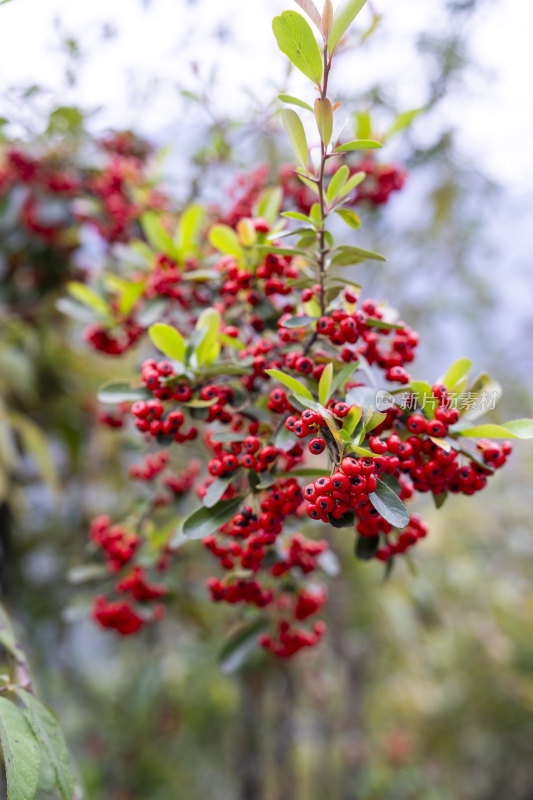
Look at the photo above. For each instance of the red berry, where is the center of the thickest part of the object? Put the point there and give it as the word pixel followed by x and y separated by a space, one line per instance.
pixel 316 446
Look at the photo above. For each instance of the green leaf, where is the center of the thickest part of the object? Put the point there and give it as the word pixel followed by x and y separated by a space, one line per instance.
pixel 343 18
pixel 295 130
pixel 324 119
pixel 50 737
pixel 269 204
pixel 122 392
pixel 516 429
pixel 363 125
pixel 424 396
pixel 389 505
pixel 346 521
pixel 351 419
pixel 302 321
pixel 168 340
pixel 375 419
pixel 403 121
pixel 294 101
pixel 9 639
pixel 217 489
pixel 205 521
pixel 241 644
pixel 291 383
pixel 21 752
pixel 358 144
pixel 157 235
pixel 366 547
pixel 352 183
pixel 37 446
pixel 224 238
pixel 296 39
pixel 128 292
pixel 297 215
pixel 209 348
pixel 310 184
pixel 349 217
pixel 347 254
pixel 89 298
pixel 324 385
pixel 440 499
pixel 456 372
pixel 285 440
pixel 151 311
pixel 337 182
pixel 78 311
pixel 189 227
pixel 342 377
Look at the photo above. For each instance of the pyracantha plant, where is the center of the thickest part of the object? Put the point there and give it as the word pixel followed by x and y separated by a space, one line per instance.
pixel 288 393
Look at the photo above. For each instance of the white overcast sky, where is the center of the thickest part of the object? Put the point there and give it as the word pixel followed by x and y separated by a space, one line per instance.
pixel 159 40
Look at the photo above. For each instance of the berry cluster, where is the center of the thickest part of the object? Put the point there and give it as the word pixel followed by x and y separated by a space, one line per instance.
pixel 250 544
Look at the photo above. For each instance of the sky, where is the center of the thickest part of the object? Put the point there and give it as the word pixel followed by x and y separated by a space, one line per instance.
pixel 156 42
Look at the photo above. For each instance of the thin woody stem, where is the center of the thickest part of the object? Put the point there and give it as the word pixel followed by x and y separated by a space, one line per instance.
pixel 322 249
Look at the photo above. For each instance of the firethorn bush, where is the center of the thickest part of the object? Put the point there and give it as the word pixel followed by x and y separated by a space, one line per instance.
pixel 274 408
pixel 287 390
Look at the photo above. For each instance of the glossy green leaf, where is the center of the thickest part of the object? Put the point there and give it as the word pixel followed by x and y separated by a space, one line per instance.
pixel 224 238
pixel 52 741
pixel 346 521
pixel 122 392
pixel 241 644
pixel 89 298
pixel 346 254
pixel 296 39
pixel 301 321
pixel 363 125
pixel 366 547
pixel 205 521
pixel 168 340
pixel 389 506
pixel 403 121
pixel 128 292
pixel 269 204
pixel 297 215
pixel 456 372
pixel 424 396
pixel 358 144
pixel 291 383
pixel 324 119
pixel 337 182
pixel 295 130
pixel 324 384
pixel 216 489
pixel 349 217
pixel 22 756
pixel 309 183
pixel 342 19
pixel 187 232
pixel 295 101
pixel 342 377
pixel 352 183
pixel 157 236
pixel 76 310
pixel 516 429
pixel 209 348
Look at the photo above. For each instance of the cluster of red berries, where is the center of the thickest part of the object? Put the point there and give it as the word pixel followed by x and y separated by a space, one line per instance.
pixel 118 543
pixel 250 543
pixel 381 180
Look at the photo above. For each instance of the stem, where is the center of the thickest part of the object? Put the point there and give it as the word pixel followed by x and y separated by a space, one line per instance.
pixel 322 250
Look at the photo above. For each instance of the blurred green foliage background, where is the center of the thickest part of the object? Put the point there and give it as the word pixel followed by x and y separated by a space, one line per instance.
pixel 423 689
